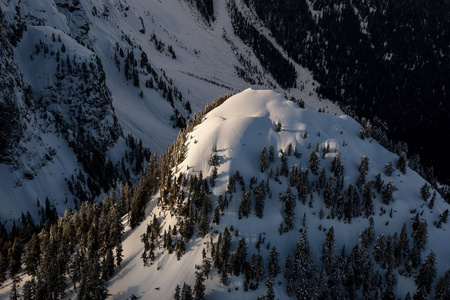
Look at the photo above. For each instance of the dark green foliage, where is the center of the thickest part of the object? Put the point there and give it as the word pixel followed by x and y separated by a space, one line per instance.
pixel 314 163
pixel 387 192
pixel 260 197
pixel 274 263
pixel 427 273
pixel 245 206
pixel 442 289
pixel 186 292
pixel 288 199
pixel 401 163
pixel 425 192
pixel 199 287
pixel 271 59
pixel 263 160
pixel 239 257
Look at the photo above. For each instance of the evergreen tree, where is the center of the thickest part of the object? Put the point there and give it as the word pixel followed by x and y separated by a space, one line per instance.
pixel 263 160
pixel 304 259
pixel 186 292
pixel 328 255
pixel 401 163
pixel 290 275
pixel 258 268
pixel 378 184
pixel 177 296
pixel 363 169
pixel 388 190
pixel 245 206
pixel 31 255
pixel 442 289
pixel 427 273
pixel 368 235
pixel 303 292
pixel 14 258
pixel 284 171
pixel 270 292
pixel 239 257
pixel 433 198
pixel 420 235
pixel 260 195
pixel 271 153
pixel 274 263
pixel 288 200
pixel 367 199
pixel 314 163
pixel 403 246
pixel 388 168
pixel 425 192
pixel 199 287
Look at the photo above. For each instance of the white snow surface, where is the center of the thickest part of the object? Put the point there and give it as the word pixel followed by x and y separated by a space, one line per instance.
pixel 240 128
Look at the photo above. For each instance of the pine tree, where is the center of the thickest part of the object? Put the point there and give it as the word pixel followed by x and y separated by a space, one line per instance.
pixel 245 206
pixel 368 235
pixel 284 171
pixel 199 287
pixel 388 168
pixel 427 273
pixel 263 160
pixel 314 163
pixel 260 195
pixel 14 294
pixel 328 255
pixel 363 169
pixel 433 198
pixel 442 289
pixel 420 235
pixel 274 263
pixel 14 258
pixel 390 282
pixel 367 199
pixel 401 163
pixel 31 255
pixel 304 259
pixel 388 190
pixel 271 153
pixel 258 268
pixel 288 200
pixel 239 257
pixel 270 292
pixel 403 246
pixel 290 275
pixel 177 296
pixel 186 292
pixel 303 292
pixel 425 192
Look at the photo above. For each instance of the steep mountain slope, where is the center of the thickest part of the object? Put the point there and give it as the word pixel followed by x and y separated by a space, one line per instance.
pixel 333 208
pixel 96 71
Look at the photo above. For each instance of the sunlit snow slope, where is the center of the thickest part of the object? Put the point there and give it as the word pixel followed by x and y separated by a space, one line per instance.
pixel 240 128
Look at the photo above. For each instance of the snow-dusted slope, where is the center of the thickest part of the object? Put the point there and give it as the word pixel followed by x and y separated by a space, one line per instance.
pixel 185 54
pixel 239 129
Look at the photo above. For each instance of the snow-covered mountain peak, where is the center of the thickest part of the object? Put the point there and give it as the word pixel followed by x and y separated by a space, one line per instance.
pixel 270 171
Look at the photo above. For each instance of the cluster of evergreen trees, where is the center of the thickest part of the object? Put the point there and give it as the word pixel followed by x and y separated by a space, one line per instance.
pixel 134 67
pixel 270 58
pixel 84 246
pixel 384 60
pixel 206 8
